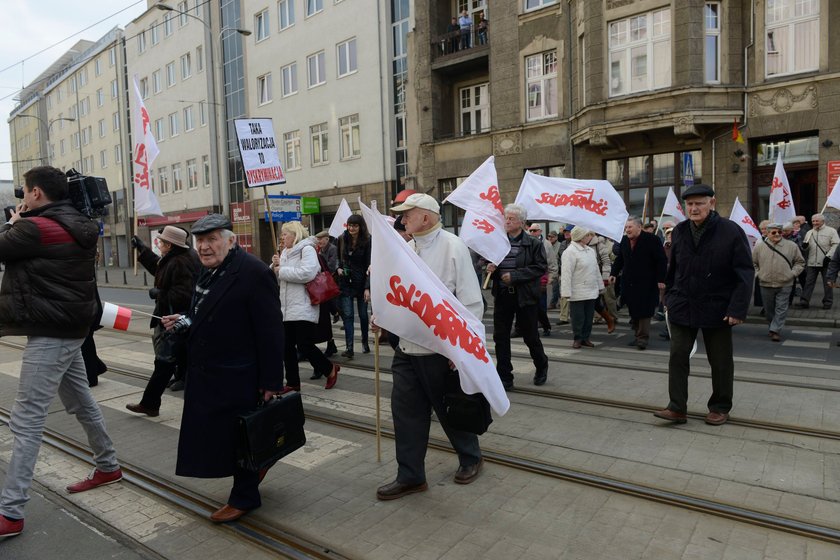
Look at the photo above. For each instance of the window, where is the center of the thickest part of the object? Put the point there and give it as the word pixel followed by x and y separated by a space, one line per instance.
pixel 160 132
pixel 188 119
pixel 640 53
pixel 103 159
pixel 84 106
pixel 144 88
pixel 202 113
pixel 141 42
pixel 167 26
pixel 63 146
pixel 102 128
pixel 74 111
pixel 170 74
pixel 264 89
pixel 541 73
pixel 199 59
pixel 164 180
pixel 87 132
pixel 313 7
pixel 157 84
pixel 347 58
pixel 76 142
pixel 290 84
pixel 286 13
pixel 61 121
pixel 112 56
pixel 315 67
pixel 536 4
pixel 291 140
pixel 261 25
pixel 118 153
pixel 475 109
pixel 100 97
pixel 351 143
pixel 177 181
pixel 83 77
pixel 116 121
pixel 711 47
pixel 320 151
pixel 192 174
pixel 198 4
pixel 155 33
pixel 97 67
pixel 205 164
pixel 183 19
pixel 186 66
pixel 173 124
pixel 49 101
pixel 793 36
pixel 114 89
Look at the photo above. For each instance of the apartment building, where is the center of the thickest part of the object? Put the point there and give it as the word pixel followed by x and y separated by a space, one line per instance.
pixel 643 93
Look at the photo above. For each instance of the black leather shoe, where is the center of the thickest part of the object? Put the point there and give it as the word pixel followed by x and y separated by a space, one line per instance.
pixel 467 474
pixel 347 354
pixel 397 490
pixel 541 376
pixel 331 349
pixel 365 348
pixel 508 385
pixel 140 409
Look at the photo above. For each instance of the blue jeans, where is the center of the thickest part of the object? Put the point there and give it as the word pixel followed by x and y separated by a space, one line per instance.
pixel 346 303
pixel 49 366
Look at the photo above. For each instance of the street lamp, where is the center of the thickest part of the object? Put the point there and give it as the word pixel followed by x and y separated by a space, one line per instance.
pixel 223 193
pixel 48 126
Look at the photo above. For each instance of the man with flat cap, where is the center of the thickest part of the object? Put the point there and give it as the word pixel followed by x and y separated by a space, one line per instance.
pixel 235 357
pixel 419 374
pixel 778 262
pixel 707 287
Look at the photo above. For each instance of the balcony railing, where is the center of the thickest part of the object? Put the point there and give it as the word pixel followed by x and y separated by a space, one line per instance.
pixel 454 44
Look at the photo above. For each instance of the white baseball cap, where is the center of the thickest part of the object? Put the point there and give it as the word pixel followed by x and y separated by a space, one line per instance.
pixel 418 200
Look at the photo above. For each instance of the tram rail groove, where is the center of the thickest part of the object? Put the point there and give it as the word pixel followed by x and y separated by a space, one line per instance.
pixel 272 539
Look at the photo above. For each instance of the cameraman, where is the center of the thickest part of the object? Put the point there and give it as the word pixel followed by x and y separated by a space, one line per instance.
pixel 48 295
pixel 175 273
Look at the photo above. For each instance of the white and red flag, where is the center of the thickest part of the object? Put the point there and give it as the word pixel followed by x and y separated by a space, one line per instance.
pixel 143 153
pixel 483 229
pixel 673 207
pixel 834 196
pixel 590 203
pixel 339 223
pixel 739 216
pixel 115 317
pixel 781 201
pixel 409 300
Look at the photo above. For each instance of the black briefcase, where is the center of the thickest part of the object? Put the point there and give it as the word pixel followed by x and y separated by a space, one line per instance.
pixel 269 433
pixel 467 413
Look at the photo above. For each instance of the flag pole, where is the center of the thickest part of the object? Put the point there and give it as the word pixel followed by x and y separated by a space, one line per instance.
pixel 644 209
pixel 824 206
pixel 487 281
pixel 270 217
pixel 378 408
pixel 659 221
pixel 136 252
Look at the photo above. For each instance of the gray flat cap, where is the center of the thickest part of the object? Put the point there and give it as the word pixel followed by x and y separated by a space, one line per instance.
pixel 211 222
pixel 698 190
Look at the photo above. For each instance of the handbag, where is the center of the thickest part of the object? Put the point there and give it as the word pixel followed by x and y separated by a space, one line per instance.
pixel 466 413
pixel 322 288
pixel 270 432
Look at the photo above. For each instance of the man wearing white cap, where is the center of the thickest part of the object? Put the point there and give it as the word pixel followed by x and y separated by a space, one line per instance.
pixel 419 374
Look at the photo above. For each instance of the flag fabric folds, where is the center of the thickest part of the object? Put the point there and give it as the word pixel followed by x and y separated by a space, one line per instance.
pixel 781 201
pixel 115 317
pixel 483 229
pixel 339 223
pixel 834 196
pixel 673 207
pixel 143 154
pixel 739 216
pixel 590 203
pixel 409 300
pixel 736 133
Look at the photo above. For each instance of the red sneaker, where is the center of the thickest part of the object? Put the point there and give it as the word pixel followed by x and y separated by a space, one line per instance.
pixel 96 478
pixel 9 528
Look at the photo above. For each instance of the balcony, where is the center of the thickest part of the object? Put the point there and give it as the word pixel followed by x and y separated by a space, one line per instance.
pixel 455 52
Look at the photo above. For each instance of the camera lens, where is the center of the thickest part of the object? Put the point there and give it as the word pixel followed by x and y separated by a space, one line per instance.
pixel 18 192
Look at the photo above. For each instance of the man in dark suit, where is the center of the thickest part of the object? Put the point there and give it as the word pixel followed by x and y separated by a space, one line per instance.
pixel 235 357
pixel 708 286
pixel 642 264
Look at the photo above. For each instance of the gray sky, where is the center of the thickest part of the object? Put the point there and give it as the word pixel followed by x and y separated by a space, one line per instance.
pixel 30 26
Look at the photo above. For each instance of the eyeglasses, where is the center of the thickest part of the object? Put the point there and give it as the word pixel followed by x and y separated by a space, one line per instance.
pixel 534 230
pixel 774 232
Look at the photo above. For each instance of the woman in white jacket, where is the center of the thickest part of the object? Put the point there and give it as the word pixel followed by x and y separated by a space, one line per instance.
pixel 580 282
pixel 298 264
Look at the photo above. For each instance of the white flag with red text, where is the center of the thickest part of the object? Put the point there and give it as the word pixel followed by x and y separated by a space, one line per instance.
pixel 739 216
pixel 339 223
pixel 673 207
pixel 483 228
pixel 143 153
pixel 834 196
pixel 409 300
pixel 590 203
pixel 781 200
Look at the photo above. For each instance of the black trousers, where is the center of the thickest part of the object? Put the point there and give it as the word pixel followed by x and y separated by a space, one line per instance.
pixel 245 493
pixel 719 350
pixel 506 309
pixel 165 367
pixel 94 367
pixel 419 385
pixel 301 335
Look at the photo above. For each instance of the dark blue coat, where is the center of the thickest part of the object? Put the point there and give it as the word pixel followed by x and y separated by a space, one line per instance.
pixel 641 270
pixel 711 281
pixel 235 348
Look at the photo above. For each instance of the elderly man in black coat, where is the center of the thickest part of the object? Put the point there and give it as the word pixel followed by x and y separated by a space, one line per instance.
pixel 642 264
pixel 708 287
pixel 235 357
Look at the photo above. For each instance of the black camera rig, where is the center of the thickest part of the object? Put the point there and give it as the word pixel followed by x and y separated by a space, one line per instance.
pixel 88 195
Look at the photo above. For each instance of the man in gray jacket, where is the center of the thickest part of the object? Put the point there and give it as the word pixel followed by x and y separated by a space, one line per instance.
pixel 777 262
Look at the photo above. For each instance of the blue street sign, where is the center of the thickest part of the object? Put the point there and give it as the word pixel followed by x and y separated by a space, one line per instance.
pixel 688 169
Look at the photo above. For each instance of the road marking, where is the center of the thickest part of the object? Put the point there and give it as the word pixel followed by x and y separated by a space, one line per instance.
pixel 801 358
pixel 803 344
pixel 823 334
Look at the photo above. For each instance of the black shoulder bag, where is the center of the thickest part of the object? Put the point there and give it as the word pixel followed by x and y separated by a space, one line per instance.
pixel 466 413
pixel 270 432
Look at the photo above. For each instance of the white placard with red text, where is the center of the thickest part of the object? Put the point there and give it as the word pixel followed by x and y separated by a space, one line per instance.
pixel 258 148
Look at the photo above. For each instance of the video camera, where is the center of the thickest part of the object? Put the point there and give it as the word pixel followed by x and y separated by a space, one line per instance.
pixel 89 195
